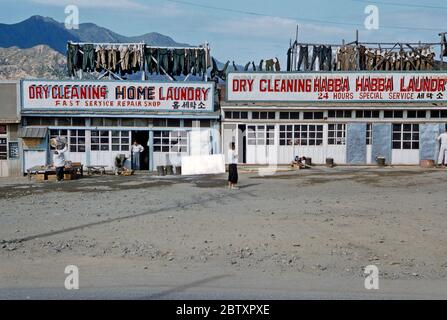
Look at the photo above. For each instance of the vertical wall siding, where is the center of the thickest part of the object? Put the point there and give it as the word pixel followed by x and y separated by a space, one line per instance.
pixel 356 143
pixel 428 145
pixel 381 143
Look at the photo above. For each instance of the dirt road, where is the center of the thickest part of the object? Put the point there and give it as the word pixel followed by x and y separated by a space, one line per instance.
pixel 306 233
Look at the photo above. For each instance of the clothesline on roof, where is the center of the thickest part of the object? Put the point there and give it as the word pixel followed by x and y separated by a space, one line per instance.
pixel 368 43
pixel 200 47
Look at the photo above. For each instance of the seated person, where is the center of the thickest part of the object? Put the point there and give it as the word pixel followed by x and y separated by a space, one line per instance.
pixel 300 162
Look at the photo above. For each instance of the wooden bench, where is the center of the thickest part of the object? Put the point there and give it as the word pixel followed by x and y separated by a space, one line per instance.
pixel 42 173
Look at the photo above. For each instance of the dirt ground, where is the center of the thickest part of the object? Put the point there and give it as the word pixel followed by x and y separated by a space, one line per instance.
pixel 298 232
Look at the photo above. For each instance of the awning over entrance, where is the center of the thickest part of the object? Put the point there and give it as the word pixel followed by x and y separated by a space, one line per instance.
pixel 33 132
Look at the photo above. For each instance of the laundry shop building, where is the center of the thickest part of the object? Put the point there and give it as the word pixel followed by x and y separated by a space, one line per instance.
pixel 101 119
pixel 351 117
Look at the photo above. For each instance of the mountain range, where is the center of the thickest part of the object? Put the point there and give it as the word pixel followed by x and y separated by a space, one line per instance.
pixel 38 30
pixel 36 47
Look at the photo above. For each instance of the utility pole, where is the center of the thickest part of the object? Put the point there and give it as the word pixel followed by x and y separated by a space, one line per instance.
pixel 443 45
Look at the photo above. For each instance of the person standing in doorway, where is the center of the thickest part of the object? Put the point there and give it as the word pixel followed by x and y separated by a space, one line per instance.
pixel 137 149
pixel 232 167
pixel 442 156
pixel 59 161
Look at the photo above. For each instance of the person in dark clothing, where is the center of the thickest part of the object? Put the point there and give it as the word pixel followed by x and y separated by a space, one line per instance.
pixel 232 167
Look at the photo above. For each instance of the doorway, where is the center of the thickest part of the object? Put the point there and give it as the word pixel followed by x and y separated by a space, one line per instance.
pixel 142 137
pixel 242 143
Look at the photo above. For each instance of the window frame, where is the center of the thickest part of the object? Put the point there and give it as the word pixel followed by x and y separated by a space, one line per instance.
pixel 401 129
pixel 336 134
pixel 172 141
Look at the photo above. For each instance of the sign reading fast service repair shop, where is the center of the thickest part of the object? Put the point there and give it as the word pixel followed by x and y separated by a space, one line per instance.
pixel 123 95
pixel 337 86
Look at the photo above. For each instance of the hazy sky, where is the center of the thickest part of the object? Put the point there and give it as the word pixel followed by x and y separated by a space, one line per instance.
pixel 244 30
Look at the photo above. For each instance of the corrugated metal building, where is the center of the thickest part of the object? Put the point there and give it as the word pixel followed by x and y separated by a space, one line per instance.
pixel 10 154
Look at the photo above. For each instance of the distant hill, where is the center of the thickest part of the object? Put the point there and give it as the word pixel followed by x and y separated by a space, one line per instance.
pixel 38 30
pixel 38 62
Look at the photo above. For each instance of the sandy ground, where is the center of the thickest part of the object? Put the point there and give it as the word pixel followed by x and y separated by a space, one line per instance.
pixel 297 234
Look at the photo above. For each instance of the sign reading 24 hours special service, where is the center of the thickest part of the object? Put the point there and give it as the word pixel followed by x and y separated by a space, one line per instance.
pixel 90 95
pixel 337 86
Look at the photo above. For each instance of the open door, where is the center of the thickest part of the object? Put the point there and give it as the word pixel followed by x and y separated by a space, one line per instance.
pixel 242 143
pixel 142 137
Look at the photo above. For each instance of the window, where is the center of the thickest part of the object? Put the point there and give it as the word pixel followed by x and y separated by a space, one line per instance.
pixel 160 123
pixel 236 115
pixel 405 136
pixel 260 135
pixel 263 115
pixel 416 113
pixel 368 133
pixel 3 129
pixel 171 141
pixel 312 115
pixel 99 140
pixel 289 115
pixel 302 134
pixel 127 122
pixel 187 123
pixel 47 121
pixel 97 122
pixel 110 122
pixel 78 122
pixel 339 114
pixel 32 121
pixel 63 133
pixel 393 114
pixel 64 121
pixel 173 122
pixel 336 134
pixel 367 114
pixel 205 124
pixel 77 141
pixel 120 141
pixel 141 122
pixel 438 113
pixel 3 148
pixel 14 150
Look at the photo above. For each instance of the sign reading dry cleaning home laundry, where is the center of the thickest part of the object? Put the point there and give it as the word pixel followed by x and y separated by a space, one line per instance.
pixel 337 86
pixel 145 96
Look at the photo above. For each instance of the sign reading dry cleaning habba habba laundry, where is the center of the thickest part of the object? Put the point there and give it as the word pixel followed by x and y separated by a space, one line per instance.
pixel 124 95
pixel 337 86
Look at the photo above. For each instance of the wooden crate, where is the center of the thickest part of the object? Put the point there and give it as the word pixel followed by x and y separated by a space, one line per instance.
pixel 51 177
pixel 39 177
pixel 69 176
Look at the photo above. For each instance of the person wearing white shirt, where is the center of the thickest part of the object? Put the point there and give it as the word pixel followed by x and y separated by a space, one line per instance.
pixel 232 167
pixel 59 162
pixel 442 156
pixel 136 149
